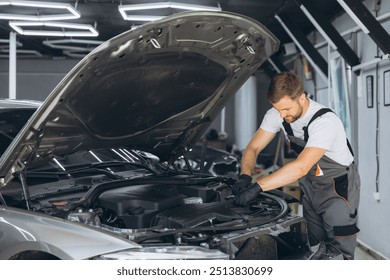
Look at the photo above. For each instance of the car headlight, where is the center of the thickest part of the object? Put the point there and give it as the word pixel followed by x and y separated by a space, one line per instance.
pixel 166 253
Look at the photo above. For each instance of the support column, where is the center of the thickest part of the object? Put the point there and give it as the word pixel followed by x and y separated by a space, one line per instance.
pixel 12 66
pixel 245 106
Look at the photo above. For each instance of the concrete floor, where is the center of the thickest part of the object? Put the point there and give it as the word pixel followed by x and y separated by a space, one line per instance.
pixel 363 254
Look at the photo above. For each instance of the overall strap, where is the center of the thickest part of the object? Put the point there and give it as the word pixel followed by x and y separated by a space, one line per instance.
pixel 318 114
pixel 296 148
pixel 289 131
pixel 287 128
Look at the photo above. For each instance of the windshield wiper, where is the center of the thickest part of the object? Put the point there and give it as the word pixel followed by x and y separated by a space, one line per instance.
pixel 92 168
pixel 108 164
pixel 65 191
pixel 68 173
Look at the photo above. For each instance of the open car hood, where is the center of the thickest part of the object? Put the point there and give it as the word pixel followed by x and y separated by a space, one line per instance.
pixel 155 88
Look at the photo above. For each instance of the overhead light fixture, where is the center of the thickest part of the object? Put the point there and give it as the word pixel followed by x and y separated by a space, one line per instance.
pixel 123 9
pixel 72 13
pixel 352 14
pixel 76 53
pixel 24 53
pixel 79 30
pixel 6 43
pixel 73 47
pixel 142 17
pixel 318 27
pixel 302 49
pixel 72 44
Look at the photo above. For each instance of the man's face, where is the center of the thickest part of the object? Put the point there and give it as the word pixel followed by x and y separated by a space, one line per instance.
pixel 291 109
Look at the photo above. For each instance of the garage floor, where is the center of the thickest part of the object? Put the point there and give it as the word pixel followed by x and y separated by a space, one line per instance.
pixel 363 254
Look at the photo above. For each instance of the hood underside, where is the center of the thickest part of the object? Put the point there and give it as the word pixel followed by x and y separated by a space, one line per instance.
pixel 155 88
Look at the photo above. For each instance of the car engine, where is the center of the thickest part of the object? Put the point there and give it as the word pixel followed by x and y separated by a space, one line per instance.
pixel 180 210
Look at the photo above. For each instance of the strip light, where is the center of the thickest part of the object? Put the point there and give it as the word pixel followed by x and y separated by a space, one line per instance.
pixel 6 43
pixel 83 30
pixel 123 9
pixel 77 53
pixel 72 12
pixel 64 44
pixel 141 17
pixel 25 53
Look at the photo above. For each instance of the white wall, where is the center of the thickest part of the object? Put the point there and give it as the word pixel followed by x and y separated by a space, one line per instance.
pixel 373 214
pixel 35 79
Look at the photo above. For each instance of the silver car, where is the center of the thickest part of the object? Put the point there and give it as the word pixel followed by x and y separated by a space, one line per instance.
pixel 89 173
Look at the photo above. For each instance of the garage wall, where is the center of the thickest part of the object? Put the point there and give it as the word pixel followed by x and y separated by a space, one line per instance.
pixel 262 84
pixel 371 133
pixel 35 78
pixel 373 148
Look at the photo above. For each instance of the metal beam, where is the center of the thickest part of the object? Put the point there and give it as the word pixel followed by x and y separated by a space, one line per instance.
pixel 328 32
pixel 299 38
pixel 368 23
pixel 268 69
pixel 277 64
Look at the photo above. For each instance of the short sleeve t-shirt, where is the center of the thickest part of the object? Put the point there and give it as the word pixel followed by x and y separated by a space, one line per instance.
pixel 326 132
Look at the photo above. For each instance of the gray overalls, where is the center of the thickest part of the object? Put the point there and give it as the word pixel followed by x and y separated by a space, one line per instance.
pixel 330 201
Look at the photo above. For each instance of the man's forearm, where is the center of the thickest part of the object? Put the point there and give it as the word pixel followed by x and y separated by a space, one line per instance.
pixel 248 162
pixel 287 174
pixel 259 141
pixel 292 171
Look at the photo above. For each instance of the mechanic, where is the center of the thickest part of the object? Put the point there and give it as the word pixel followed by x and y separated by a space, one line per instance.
pixel 325 167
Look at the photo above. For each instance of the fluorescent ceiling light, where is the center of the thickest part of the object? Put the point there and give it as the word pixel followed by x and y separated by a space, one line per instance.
pixel 79 30
pixel 123 9
pixel 142 17
pixel 72 44
pixel 72 13
pixel 6 43
pixel 76 53
pixel 353 16
pixel 24 53
pixel 171 5
pixel 318 27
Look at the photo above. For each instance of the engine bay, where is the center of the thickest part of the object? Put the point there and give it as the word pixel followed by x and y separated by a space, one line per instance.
pixel 184 210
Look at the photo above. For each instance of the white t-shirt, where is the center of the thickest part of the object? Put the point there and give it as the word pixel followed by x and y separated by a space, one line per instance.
pixel 326 132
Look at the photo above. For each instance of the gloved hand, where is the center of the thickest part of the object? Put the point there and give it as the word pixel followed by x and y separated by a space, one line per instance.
pixel 242 182
pixel 248 194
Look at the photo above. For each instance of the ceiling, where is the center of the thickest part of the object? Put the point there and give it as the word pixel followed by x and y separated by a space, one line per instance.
pixel 105 17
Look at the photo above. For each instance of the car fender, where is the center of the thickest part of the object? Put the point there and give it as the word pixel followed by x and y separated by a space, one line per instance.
pixel 21 231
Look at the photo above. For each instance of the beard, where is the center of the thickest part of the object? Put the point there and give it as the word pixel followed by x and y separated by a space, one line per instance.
pixel 293 118
pixel 290 119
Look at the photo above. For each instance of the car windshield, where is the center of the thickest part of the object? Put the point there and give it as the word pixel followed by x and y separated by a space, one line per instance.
pixel 113 160
pixel 11 122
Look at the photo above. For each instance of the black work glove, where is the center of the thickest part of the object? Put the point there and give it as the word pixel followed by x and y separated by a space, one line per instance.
pixel 248 194
pixel 242 182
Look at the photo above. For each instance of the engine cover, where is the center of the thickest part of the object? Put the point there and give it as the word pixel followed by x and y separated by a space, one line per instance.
pixel 192 215
pixel 136 205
